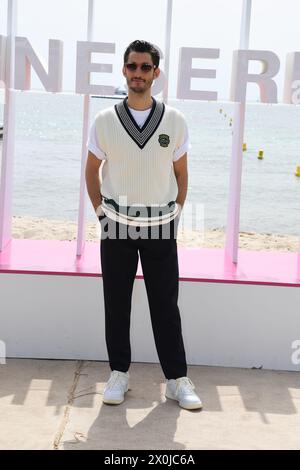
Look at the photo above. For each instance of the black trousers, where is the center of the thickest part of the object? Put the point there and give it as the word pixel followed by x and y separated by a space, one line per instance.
pixel 119 260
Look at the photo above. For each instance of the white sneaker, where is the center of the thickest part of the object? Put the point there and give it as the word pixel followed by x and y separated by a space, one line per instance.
pixel 116 387
pixel 182 390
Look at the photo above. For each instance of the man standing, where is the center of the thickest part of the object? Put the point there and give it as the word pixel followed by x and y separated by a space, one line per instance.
pixel 142 144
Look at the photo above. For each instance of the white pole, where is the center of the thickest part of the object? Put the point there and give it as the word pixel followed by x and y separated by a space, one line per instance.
pixel 8 147
pixel 85 130
pixel 233 215
pixel 167 49
pixel 298 261
pixel 245 25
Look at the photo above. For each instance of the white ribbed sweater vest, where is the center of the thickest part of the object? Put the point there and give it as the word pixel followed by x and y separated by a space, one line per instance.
pixel 142 175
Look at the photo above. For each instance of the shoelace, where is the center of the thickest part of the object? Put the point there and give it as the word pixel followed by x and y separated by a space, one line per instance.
pixel 184 384
pixel 113 381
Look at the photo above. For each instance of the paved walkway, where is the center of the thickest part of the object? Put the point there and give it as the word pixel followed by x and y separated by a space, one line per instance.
pixel 58 405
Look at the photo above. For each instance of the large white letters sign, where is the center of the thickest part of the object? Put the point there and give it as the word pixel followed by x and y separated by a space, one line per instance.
pixel 51 76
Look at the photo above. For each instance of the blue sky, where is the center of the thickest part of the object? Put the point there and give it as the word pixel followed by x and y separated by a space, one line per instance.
pixel 196 23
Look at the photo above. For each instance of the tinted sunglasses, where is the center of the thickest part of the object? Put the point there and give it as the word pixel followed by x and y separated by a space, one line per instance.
pixel 144 67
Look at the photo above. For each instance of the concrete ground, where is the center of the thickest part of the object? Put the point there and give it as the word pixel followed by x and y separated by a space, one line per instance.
pixel 49 404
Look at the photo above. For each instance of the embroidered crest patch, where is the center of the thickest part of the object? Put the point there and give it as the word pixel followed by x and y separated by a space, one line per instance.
pixel 164 140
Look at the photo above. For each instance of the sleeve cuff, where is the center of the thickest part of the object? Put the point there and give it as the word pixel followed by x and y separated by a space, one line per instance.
pixel 181 151
pixel 96 151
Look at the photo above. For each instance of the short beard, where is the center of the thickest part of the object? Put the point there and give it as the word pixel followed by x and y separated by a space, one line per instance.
pixel 138 89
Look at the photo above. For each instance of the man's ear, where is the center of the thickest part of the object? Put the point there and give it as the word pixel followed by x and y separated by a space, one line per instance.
pixel 124 71
pixel 156 72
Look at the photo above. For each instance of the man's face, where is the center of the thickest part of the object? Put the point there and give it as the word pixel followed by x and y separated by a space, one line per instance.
pixel 139 81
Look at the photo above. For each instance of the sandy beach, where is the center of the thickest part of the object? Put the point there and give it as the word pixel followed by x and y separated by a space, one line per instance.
pixel 49 229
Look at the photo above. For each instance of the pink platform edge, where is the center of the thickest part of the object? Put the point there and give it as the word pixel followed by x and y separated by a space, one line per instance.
pixel 56 257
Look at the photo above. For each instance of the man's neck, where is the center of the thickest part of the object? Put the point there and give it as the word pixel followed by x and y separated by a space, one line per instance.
pixel 139 102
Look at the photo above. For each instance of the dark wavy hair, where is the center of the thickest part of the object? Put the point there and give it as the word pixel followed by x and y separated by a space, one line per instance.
pixel 143 46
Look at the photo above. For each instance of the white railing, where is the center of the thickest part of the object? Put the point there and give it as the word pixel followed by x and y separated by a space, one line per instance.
pixel 7 74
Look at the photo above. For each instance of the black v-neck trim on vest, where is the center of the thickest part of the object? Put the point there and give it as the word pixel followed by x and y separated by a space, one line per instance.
pixel 143 134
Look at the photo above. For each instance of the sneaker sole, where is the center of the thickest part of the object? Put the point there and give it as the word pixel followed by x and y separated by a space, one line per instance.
pixel 113 402
pixel 195 406
pixel 191 406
